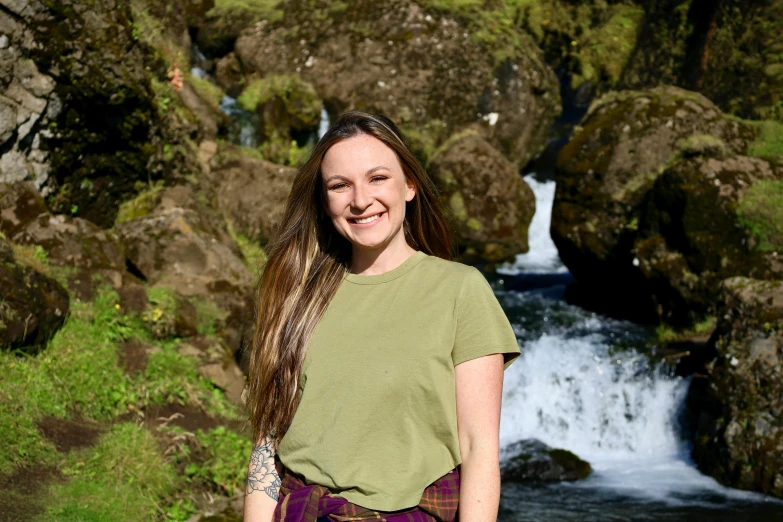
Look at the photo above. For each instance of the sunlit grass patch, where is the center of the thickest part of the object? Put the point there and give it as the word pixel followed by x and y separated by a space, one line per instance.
pixel 123 477
pixel 760 209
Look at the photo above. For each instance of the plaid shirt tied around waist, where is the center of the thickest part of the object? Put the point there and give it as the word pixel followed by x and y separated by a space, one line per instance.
pixel 298 502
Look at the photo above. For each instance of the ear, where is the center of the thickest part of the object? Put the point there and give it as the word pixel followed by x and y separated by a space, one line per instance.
pixel 411 192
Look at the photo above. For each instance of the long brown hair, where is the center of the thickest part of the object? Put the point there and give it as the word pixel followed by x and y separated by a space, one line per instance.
pixel 307 260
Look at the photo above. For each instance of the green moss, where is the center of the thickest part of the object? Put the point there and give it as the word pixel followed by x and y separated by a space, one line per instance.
pixel 207 90
pixel 490 24
pixel 769 143
pixel 283 151
pixel 210 316
pixel 702 144
pixel 760 209
pixel 139 206
pixel 451 140
pixel 473 224
pixel 298 95
pixel 423 139
pixel 607 48
pixel 249 11
pixel 457 205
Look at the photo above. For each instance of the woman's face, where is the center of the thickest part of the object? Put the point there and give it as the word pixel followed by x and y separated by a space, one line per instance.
pixel 364 179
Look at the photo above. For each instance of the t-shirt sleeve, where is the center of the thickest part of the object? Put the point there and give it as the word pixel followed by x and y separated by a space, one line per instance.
pixel 482 327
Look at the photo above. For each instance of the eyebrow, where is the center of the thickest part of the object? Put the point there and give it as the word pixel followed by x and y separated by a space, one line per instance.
pixel 372 170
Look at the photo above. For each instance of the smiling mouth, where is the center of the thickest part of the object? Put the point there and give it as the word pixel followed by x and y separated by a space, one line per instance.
pixel 369 219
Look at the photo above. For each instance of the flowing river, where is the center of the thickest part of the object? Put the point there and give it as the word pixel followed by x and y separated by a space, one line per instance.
pixel 584 383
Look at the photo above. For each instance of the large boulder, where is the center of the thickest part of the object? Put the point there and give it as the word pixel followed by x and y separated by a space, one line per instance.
pixel 183 244
pixel 249 191
pixel 605 174
pixel 707 218
pixel 424 69
pixel 738 402
pixel 33 306
pixel 491 204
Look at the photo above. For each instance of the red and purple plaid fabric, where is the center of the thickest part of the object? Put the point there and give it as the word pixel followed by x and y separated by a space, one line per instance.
pixel 299 502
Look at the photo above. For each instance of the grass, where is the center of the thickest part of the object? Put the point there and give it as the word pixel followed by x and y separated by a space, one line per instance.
pixel 124 475
pixel 760 209
pixel 127 475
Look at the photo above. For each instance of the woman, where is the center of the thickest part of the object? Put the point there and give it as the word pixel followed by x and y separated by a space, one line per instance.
pixel 377 364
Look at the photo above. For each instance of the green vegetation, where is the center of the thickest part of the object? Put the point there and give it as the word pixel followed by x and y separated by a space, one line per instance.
pixel 298 96
pixel 209 458
pixel 593 40
pixel 208 91
pixel 490 25
pixel 128 474
pixel 252 251
pixel 122 478
pixel 702 144
pixel 151 31
pixel 760 209
pixel 248 11
pixel 666 334
pixel 301 110
pixel 141 205
pixel 769 143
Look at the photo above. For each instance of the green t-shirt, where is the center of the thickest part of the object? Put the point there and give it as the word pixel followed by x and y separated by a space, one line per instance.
pixel 377 422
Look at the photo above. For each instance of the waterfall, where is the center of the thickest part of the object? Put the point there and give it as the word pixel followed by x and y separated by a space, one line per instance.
pixel 584 383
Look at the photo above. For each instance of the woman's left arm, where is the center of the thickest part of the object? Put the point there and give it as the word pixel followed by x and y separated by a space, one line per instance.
pixel 479 387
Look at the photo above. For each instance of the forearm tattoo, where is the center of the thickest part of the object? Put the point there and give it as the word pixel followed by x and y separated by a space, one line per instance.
pixel 261 474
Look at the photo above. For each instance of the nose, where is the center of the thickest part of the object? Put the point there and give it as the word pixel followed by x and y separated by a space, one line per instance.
pixel 361 197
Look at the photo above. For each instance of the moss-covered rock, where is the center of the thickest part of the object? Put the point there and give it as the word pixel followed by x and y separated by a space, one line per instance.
pixel 490 204
pixel 289 112
pixel 592 40
pixel 706 219
pixel 33 306
pixel 738 407
pixel 415 65
pixel 605 175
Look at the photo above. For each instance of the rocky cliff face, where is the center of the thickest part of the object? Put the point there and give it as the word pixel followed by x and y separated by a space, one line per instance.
pixel 79 114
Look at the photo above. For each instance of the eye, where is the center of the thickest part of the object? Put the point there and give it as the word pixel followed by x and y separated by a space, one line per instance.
pixel 378 177
pixel 333 187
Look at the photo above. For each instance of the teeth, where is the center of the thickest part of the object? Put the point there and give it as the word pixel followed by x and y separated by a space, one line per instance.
pixel 369 219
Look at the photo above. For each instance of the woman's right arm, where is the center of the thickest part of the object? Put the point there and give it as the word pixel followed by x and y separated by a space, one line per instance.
pixel 263 484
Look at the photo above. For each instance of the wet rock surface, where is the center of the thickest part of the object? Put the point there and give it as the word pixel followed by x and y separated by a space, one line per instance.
pixel 532 462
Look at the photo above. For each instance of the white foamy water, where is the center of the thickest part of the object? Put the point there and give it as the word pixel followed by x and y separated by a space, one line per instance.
pixel 542 256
